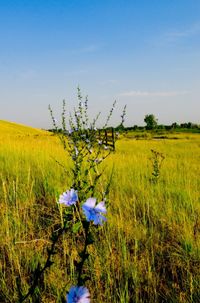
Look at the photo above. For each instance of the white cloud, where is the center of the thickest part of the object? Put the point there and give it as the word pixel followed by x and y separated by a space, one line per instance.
pixel 174 35
pixel 193 30
pixel 135 93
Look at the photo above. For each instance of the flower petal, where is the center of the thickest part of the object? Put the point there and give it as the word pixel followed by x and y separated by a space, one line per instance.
pixel 98 220
pixel 90 202
pixel 101 207
pixel 78 294
pixel 69 197
pixel 86 212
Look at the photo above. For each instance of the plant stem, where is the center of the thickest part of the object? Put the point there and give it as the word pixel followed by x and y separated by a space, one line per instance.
pixel 84 255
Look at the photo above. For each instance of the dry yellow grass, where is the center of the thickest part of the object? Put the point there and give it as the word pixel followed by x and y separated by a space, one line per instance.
pixel 149 249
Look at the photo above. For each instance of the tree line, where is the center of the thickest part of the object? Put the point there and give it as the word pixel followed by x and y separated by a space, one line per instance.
pixel 152 124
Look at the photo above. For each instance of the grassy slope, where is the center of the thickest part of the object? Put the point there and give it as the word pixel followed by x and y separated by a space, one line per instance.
pixel 10 128
pixel 149 249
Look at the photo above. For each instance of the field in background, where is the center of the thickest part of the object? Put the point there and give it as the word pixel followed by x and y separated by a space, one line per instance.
pixel 149 250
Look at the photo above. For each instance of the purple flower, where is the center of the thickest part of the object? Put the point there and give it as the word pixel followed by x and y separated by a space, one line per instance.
pixel 78 294
pixel 69 197
pixel 93 211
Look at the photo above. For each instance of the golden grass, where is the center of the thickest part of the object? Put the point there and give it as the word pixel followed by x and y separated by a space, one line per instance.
pixel 149 249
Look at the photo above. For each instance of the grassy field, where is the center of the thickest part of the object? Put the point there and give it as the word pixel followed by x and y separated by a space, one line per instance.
pixel 148 251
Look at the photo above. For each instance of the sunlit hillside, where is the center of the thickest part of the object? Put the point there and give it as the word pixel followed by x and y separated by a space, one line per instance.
pixel 11 128
pixel 148 251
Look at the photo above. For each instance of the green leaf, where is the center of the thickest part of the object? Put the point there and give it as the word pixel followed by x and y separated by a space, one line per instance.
pixel 76 227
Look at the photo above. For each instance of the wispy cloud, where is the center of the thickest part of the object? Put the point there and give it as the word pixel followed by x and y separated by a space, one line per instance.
pixel 91 48
pixel 174 35
pixel 135 93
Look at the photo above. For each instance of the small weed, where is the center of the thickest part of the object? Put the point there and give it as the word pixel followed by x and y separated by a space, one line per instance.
pixel 157 160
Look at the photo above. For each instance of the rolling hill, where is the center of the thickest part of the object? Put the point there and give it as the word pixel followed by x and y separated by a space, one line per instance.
pixel 11 128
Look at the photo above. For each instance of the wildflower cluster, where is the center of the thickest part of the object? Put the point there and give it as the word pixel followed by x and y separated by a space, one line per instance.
pixel 91 211
pixel 88 149
pixel 81 213
pixel 81 210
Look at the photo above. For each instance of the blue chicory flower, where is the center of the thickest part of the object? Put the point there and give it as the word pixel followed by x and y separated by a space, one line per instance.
pixel 93 211
pixel 69 197
pixel 78 294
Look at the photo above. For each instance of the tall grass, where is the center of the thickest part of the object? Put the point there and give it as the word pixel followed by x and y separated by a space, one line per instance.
pixel 149 249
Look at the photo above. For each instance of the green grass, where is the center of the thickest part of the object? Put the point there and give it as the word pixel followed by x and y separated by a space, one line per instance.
pixel 149 250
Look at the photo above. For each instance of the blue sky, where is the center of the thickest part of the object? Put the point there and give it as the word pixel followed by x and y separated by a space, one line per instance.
pixel 143 53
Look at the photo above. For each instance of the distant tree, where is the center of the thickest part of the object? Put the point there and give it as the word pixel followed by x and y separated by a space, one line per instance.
pixel 161 126
pixel 141 128
pixel 175 125
pixel 120 127
pixel 183 125
pixel 151 121
pixel 194 125
pixel 135 127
